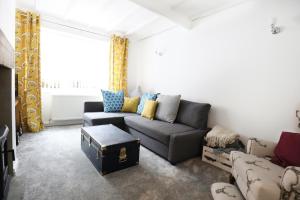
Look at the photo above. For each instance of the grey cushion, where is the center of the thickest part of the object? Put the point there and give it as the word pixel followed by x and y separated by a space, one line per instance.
pixel 167 107
pixel 98 118
pixel 155 129
pixel 193 114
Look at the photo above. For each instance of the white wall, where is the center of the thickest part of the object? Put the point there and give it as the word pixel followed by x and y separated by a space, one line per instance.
pixel 7 19
pixel 232 61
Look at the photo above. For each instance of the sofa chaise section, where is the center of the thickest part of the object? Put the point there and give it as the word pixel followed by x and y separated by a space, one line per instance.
pixel 94 115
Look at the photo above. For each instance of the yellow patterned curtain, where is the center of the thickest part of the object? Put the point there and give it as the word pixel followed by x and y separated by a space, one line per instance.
pixel 118 64
pixel 28 69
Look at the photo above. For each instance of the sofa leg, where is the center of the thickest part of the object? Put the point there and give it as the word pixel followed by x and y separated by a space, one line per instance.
pixel 231 179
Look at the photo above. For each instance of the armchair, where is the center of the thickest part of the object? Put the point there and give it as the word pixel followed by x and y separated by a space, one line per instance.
pixel 290 183
pixel 260 179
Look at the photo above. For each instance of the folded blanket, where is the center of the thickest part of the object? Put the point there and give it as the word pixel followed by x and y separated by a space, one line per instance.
pixel 220 137
pixel 237 145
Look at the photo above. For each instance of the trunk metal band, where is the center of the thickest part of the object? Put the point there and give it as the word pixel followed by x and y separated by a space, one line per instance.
pixel 91 144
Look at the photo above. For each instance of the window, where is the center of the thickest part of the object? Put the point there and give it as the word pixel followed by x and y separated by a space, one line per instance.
pixel 73 64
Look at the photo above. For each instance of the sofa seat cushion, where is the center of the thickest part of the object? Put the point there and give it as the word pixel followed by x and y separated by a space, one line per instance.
pixel 98 118
pixel 256 177
pixel 158 130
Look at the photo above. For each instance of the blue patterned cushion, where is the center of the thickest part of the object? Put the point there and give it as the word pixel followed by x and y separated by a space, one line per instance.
pixel 112 101
pixel 146 96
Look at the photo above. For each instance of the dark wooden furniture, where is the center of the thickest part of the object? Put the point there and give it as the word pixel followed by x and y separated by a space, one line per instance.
pixel 7 93
pixel 4 177
pixel 7 115
pixel 109 148
pixel 19 130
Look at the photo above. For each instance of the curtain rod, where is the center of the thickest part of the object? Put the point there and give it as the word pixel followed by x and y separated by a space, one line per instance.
pixel 67 26
pixel 76 28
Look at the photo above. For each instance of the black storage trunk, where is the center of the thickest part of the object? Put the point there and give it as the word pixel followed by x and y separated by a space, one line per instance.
pixel 109 148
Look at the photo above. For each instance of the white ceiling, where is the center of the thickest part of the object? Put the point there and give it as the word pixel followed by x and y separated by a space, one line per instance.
pixel 126 17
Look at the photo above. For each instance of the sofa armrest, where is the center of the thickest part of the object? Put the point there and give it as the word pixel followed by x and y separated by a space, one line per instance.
pixel 185 145
pixel 290 182
pixel 260 148
pixel 93 106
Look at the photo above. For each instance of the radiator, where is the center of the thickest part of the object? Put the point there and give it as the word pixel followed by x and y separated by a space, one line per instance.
pixel 64 109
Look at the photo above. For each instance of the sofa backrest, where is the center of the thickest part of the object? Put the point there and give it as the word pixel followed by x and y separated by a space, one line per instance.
pixel 193 114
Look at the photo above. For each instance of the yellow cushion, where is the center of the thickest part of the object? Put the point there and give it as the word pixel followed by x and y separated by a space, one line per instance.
pixel 130 104
pixel 149 109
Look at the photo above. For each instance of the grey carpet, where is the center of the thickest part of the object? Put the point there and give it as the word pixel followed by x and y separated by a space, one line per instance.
pixel 51 166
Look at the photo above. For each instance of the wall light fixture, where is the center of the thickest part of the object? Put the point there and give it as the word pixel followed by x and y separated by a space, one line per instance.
pixel 274 29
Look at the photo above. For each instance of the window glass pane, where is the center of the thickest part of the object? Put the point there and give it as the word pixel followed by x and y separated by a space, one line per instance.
pixel 73 64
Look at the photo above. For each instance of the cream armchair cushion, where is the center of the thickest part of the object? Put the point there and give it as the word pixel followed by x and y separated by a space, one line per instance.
pixel 290 183
pixel 257 178
pixel 225 191
pixel 260 148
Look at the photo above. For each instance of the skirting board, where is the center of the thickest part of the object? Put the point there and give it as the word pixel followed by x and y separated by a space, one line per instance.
pixel 63 122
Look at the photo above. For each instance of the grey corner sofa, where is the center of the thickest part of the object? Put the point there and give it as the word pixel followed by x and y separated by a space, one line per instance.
pixel 175 142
